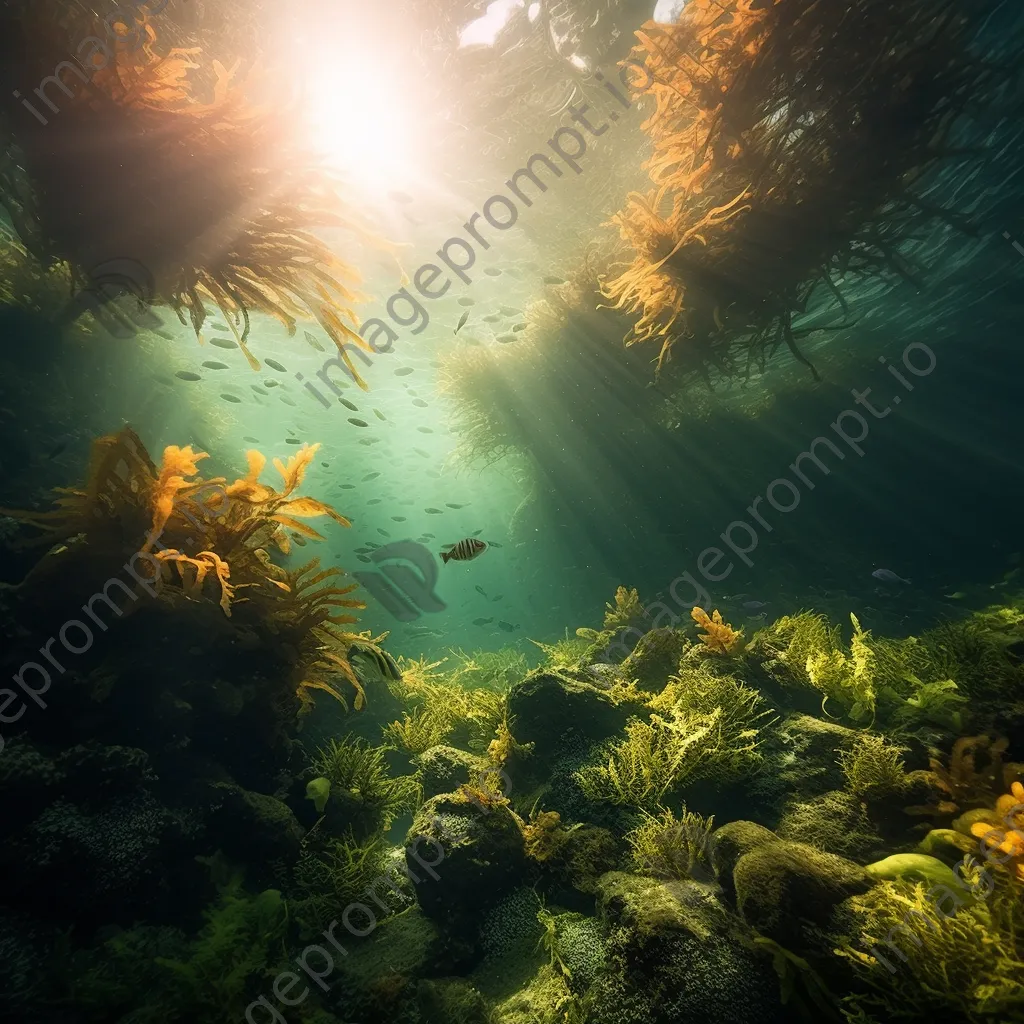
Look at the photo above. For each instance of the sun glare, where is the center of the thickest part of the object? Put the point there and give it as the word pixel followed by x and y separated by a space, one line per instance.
pixel 362 122
pixel 484 31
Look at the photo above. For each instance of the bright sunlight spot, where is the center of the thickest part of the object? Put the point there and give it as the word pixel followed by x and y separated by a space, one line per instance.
pixel 667 11
pixel 361 122
pixel 532 11
pixel 484 31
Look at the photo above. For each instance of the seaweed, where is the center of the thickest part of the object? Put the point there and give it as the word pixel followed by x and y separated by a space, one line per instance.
pixel 873 767
pixel 669 847
pixel 718 636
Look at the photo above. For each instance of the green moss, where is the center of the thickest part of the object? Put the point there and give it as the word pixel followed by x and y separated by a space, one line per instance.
pixel 874 767
pixel 917 958
pixel 359 773
pixel 670 847
pixel 834 822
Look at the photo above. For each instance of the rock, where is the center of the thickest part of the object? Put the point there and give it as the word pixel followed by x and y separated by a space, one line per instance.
pixel 655 658
pixel 783 884
pixel 449 1000
pixel 730 842
pixel 676 954
pixel 547 704
pixel 254 828
pixel 463 855
pixel 834 822
pixel 585 854
pixel 810 752
pixel 443 769
pixel 93 770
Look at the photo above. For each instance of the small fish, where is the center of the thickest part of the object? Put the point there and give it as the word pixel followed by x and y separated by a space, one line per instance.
pixel 422 453
pixel 231 398
pixel 313 342
pixel 433 512
pixel 398 519
pixel 506 338
pixel 357 422
pixel 466 301
pixel 369 477
pixel 169 337
pixel 223 343
pixel 429 536
pixel 298 538
pixel 461 323
pixel 498 597
pixel 422 632
pixel 495 544
pixel 368 440
pixel 187 375
pixel 507 626
pixel 403 371
pixel 551 279
pixel 480 590
pixel 292 440
pixel 509 311
pixel 482 622
pixel 268 383
pixel 464 550
pixel 492 319
pixel 59 447
pixel 451 504
pixel 425 430
pixel 275 365
pixel 288 401
pixel 363 558
pixel 349 405
pixel 888 576
pixel 516 328
pixel 212 364
pixel 258 389
pixel 251 439
pixel 347 487
pixel 383 532
pixel 380 415
pixel 373 501
pixel 419 403
pixel 371 544
pixel 492 272
pixel 754 606
pixel 958 595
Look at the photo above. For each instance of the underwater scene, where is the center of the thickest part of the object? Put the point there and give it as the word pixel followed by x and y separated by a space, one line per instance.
pixel 511 512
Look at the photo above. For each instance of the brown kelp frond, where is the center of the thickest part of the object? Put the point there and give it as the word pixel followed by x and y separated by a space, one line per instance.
pixel 239 195
pixel 780 166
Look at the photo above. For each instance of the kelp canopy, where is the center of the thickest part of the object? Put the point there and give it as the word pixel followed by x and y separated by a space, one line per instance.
pixel 790 140
pixel 214 198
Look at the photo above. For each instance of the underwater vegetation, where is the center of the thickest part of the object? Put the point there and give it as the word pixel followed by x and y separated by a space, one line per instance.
pixel 779 169
pixel 239 194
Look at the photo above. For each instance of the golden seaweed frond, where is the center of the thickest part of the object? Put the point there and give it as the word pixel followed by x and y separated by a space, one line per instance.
pixel 719 636
pixel 626 610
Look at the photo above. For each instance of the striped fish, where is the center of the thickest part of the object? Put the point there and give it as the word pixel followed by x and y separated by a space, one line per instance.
pixel 465 550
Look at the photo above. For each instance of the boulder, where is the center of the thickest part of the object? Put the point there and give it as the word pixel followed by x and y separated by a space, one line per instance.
pixel 443 769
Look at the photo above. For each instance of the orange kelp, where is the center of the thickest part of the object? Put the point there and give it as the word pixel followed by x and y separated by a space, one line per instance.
pixel 215 199
pixel 787 141
pixel 130 505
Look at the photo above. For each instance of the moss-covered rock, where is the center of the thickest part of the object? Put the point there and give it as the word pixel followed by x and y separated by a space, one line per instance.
pixel 585 854
pixel 730 842
pixel 254 828
pixel 655 658
pixel 543 1001
pixel 676 954
pixel 810 748
pixel 463 855
pixel 834 822
pixel 451 1001
pixel 443 769
pixel 548 704
pixel 781 885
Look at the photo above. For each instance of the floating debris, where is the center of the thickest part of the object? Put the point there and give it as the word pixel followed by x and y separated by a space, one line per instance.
pixel 187 375
pixel 313 342
pixel 461 323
